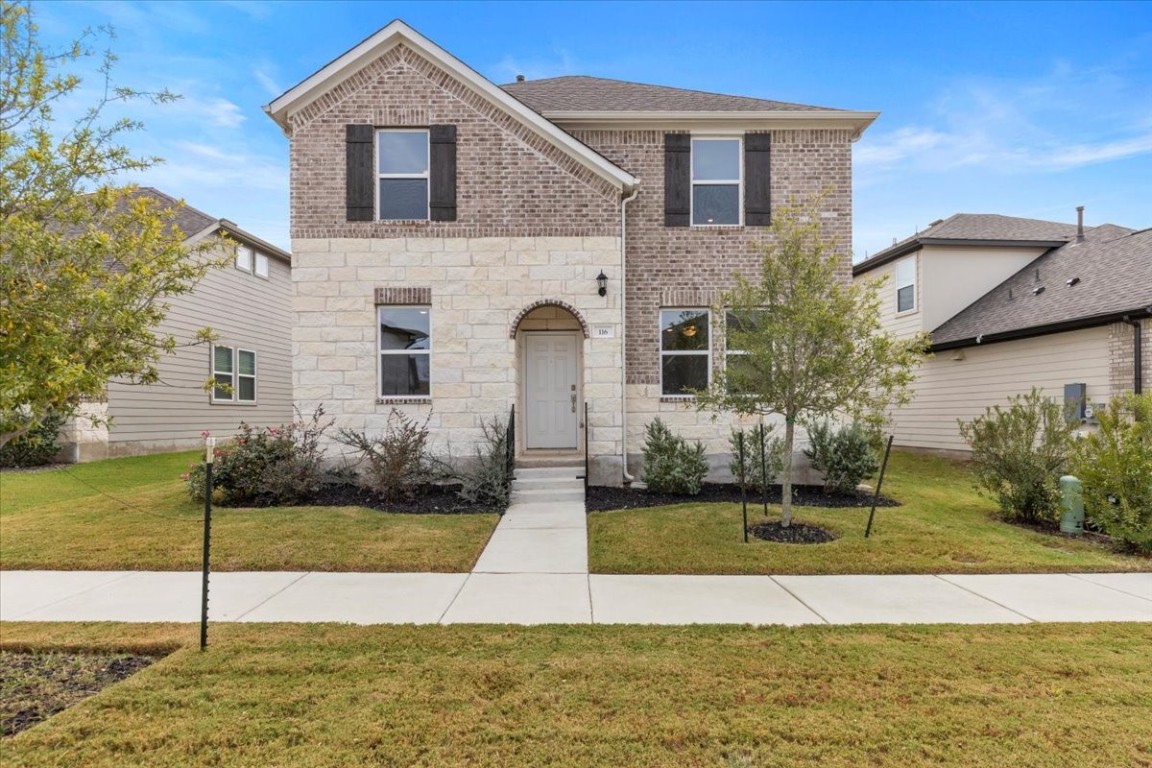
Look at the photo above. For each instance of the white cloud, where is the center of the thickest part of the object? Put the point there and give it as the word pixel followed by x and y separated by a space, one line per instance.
pixel 267 82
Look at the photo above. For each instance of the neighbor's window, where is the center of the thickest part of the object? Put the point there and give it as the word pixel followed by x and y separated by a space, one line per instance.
pixel 234 371
pixel 402 170
pixel 405 347
pixel 738 370
pixel 716 177
pixel 244 258
pixel 261 264
pixel 685 359
pixel 906 284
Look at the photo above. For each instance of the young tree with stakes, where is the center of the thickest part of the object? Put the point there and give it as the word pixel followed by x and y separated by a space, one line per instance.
pixel 85 266
pixel 810 343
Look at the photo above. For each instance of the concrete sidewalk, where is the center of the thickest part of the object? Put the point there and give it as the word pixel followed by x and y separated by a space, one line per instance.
pixel 574 598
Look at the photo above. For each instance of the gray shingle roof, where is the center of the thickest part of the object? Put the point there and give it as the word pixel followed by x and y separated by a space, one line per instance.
pixel 1114 270
pixel 985 228
pixel 579 93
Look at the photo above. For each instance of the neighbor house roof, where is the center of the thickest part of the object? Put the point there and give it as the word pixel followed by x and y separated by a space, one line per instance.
pixel 1079 284
pixel 985 229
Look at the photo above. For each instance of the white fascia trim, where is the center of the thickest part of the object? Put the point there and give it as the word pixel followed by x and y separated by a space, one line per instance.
pixel 858 122
pixel 398 32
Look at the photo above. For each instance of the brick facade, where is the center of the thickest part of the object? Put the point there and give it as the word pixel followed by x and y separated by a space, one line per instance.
pixel 1122 353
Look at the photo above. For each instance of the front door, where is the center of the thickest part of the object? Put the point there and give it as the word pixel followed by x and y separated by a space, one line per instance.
pixel 550 390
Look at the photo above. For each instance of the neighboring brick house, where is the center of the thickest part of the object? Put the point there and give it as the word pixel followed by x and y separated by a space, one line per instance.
pixel 246 304
pixel 463 248
pixel 1011 304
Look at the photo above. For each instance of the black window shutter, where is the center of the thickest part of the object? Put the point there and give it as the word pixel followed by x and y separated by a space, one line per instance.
pixel 442 182
pixel 677 179
pixel 361 193
pixel 757 180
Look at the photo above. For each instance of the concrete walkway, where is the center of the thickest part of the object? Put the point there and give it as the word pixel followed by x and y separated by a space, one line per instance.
pixel 535 571
pixel 574 598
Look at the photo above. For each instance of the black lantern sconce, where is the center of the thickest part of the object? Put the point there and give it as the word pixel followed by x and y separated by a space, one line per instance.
pixel 602 282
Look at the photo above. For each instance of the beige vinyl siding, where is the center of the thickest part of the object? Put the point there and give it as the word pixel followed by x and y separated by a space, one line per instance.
pixel 904 324
pixel 955 276
pixel 245 311
pixel 949 389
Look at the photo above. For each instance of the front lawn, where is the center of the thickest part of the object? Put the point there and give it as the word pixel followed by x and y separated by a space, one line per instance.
pixel 322 695
pixel 943 526
pixel 133 514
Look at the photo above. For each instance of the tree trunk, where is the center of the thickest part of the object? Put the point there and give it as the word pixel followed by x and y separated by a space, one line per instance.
pixel 786 473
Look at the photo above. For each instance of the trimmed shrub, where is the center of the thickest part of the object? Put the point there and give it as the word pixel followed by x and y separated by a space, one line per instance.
pixel 671 465
pixel 846 456
pixel 266 467
pixel 1019 453
pixel 396 463
pixel 36 447
pixel 1115 466
pixel 763 457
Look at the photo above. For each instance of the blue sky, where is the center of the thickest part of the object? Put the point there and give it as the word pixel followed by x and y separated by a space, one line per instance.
pixel 1025 109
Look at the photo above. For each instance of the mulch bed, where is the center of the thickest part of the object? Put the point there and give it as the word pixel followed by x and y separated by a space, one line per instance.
pixel 426 500
pixel 35 686
pixel 797 533
pixel 604 498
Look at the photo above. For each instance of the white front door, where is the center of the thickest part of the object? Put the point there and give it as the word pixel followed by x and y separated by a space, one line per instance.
pixel 550 390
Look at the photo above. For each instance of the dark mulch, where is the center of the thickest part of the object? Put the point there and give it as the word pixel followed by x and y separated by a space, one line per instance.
pixel 426 500
pixel 602 498
pixel 1052 528
pixel 797 533
pixel 35 686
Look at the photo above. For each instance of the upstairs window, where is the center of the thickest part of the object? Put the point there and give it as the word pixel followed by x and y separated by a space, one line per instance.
pixel 716 180
pixel 244 258
pixel 906 285
pixel 261 267
pixel 402 174
pixel 405 351
pixel 685 351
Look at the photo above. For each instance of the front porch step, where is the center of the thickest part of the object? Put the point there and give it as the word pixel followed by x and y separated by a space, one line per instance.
pixel 546 484
pixel 542 460
pixel 534 474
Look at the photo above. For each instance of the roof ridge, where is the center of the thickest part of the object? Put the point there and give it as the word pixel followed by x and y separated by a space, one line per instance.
pixel 653 85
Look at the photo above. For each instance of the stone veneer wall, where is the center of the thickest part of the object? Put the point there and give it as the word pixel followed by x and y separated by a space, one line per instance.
pixel 479 289
pixel 85 436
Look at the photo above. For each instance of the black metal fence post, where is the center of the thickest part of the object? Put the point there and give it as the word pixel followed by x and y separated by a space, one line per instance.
pixel 208 461
pixel 879 482
pixel 743 485
pixel 510 450
pixel 587 428
pixel 764 465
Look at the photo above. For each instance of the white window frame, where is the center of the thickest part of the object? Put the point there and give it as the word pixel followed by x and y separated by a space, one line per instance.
pixel 426 175
pixel 706 352
pixel 728 350
pixel 382 352
pixel 244 256
pixel 260 265
pixel 908 265
pixel 738 181
pixel 234 356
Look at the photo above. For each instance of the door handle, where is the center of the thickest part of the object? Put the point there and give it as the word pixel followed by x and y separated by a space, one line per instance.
pixel 573 402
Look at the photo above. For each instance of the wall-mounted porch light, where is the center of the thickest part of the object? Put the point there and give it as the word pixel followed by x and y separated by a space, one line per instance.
pixel 602 283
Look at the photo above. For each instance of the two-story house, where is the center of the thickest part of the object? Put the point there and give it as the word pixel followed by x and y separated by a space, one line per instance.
pixel 246 304
pixel 464 248
pixel 1013 304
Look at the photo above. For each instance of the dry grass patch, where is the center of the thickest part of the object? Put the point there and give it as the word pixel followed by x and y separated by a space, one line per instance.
pixel 323 695
pixel 944 526
pixel 133 514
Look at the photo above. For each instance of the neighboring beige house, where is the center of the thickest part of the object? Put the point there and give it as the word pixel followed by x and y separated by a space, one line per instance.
pixel 247 304
pixel 462 248
pixel 1012 304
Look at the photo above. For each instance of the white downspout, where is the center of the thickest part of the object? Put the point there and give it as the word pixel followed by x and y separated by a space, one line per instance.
pixel 624 332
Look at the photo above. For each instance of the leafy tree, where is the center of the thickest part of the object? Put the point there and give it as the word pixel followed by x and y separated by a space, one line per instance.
pixel 85 266
pixel 810 342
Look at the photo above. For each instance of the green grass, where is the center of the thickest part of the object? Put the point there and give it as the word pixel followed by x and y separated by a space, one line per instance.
pixel 321 695
pixel 133 514
pixel 944 526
